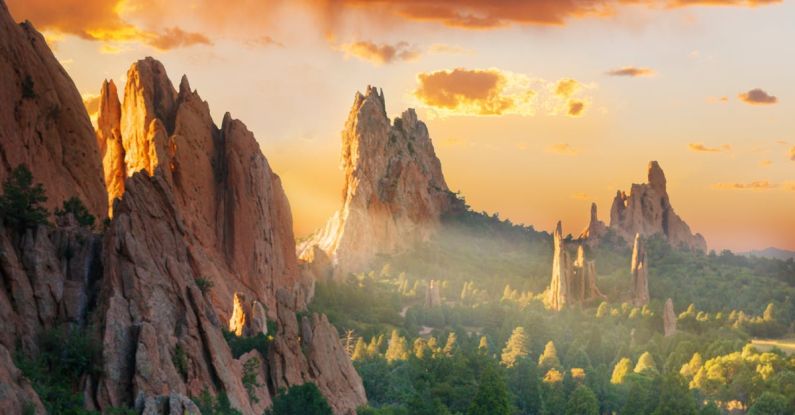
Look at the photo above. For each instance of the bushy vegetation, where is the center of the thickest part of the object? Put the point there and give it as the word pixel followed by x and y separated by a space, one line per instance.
pixel 492 333
pixel 215 405
pixel 76 207
pixel 303 399
pixel 65 355
pixel 21 202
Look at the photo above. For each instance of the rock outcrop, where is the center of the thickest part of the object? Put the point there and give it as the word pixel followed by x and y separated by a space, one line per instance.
pixel 596 229
pixel 111 148
pixel 669 318
pixel 432 295
pixel 573 281
pixel 639 271
pixel 394 192
pixel 647 211
pixel 43 123
pixel 559 294
pixel 200 203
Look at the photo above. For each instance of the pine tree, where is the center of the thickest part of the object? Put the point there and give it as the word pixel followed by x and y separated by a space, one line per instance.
pixel 516 347
pixel 549 359
pixel 622 369
pixel 360 350
pixel 21 203
pixel 692 367
pixel 582 401
pixel 675 398
pixel 397 348
pixel 449 346
pixel 645 363
pixel 483 346
pixel 492 395
pixel 603 310
pixel 420 348
pixel 525 386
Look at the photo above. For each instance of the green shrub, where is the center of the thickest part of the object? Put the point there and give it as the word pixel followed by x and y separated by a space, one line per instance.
pixel 219 405
pixel 180 360
pixel 241 345
pixel 76 207
pixel 204 285
pixel 20 204
pixel 250 378
pixel 65 355
pixel 303 399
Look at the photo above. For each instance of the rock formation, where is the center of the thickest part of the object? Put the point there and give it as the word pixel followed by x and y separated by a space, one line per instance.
pixel 560 285
pixel 394 192
pixel 669 318
pixel 200 202
pixel 200 221
pixel 647 211
pixel 639 270
pixel 596 229
pixel 43 123
pixel 573 281
pixel 432 296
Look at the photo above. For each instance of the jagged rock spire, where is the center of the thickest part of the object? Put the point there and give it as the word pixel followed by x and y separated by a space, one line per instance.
pixel 559 285
pixel 647 210
pixel 394 190
pixel 639 270
pixel 595 229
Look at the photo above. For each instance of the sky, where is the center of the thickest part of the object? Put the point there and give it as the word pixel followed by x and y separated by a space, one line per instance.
pixel 536 108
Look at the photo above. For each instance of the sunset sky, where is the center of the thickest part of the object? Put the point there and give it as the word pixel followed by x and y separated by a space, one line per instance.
pixel 536 108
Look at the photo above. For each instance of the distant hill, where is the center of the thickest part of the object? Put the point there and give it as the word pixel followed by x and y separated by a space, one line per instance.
pixel 775 253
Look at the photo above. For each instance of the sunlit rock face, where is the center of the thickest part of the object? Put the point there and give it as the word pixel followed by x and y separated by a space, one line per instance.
pixel 43 123
pixel 394 192
pixel 596 229
pixel 200 202
pixel 647 211
pixel 639 270
pixel 573 281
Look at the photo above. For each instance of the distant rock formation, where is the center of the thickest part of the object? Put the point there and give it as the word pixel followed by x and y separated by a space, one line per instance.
pixel 669 318
pixel 596 229
pixel 43 123
pixel 573 282
pixel 394 192
pixel 647 211
pixel 639 270
pixel 432 296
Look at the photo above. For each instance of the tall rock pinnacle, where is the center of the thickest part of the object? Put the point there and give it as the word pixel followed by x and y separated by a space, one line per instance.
pixel 595 230
pixel 647 210
pixel 43 123
pixel 394 191
pixel 669 318
pixel 111 147
pixel 639 270
pixel 559 285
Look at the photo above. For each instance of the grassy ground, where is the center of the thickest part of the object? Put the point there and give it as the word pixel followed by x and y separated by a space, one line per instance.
pixel 786 344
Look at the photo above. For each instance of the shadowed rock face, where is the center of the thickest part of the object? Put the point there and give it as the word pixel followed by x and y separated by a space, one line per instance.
pixel 195 202
pixel 394 192
pixel 573 281
pixel 43 123
pixel 647 211
pixel 203 203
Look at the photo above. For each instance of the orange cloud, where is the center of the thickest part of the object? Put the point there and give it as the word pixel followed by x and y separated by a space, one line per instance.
pixel 489 14
pixel 566 87
pixel 97 20
pixel 494 91
pixel 576 107
pixel 757 96
pixel 631 71
pixel 563 149
pixel 466 91
pixel 756 185
pixel 701 148
pixel 380 54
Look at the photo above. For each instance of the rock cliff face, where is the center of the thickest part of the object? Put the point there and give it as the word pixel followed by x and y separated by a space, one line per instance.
pixel 647 211
pixel 639 270
pixel 200 224
pixel 573 281
pixel 394 192
pixel 43 123
pixel 202 204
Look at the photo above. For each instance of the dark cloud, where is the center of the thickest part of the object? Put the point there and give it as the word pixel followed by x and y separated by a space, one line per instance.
pixel 757 96
pixel 380 54
pixel 631 71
